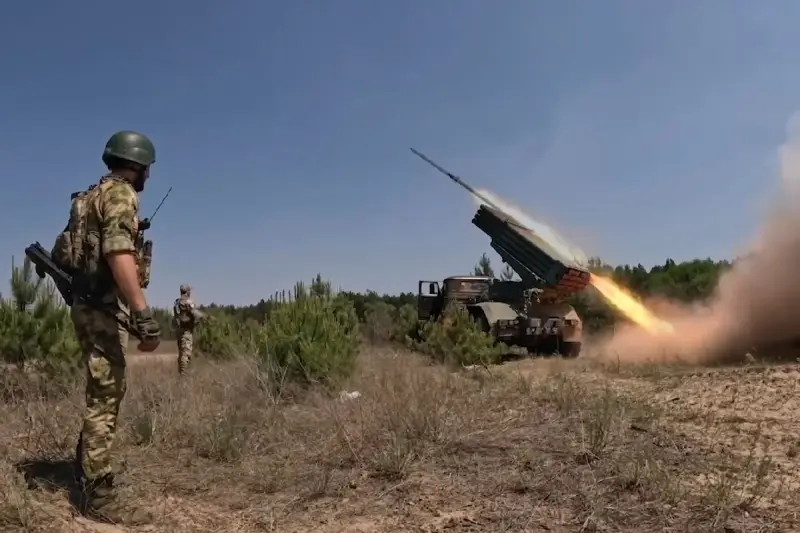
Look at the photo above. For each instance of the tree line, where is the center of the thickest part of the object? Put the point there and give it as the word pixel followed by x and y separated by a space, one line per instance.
pixel 684 281
pixel 35 323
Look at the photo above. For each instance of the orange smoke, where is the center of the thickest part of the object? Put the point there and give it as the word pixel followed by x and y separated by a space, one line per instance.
pixel 630 306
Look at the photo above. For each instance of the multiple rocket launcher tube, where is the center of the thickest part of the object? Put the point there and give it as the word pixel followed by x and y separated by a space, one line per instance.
pixel 526 253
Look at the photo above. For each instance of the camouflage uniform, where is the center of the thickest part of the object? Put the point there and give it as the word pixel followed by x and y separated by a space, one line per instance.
pixel 186 317
pixel 104 219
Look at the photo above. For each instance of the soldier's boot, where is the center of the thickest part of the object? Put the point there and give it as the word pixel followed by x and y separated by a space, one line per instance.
pixel 103 504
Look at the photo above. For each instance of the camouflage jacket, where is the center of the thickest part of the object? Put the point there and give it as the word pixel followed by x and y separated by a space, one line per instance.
pixel 103 219
pixel 186 313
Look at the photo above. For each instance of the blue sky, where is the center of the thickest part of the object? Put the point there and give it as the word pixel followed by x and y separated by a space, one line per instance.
pixel 641 129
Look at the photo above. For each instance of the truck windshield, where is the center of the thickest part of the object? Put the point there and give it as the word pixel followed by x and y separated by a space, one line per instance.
pixel 469 286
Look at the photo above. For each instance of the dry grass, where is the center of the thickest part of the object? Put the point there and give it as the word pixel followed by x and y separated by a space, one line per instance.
pixel 531 446
pixel 166 347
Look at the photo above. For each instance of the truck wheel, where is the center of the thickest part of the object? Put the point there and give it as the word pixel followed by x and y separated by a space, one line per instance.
pixel 542 347
pixel 570 349
pixel 533 349
pixel 550 345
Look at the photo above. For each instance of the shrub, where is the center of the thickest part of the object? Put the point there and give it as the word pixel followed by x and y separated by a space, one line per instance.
pixel 35 326
pixel 224 337
pixel 379 321
pixel 165 322
pixel 313 338
pixel 383 322
pixel 456 339
pixel 405 323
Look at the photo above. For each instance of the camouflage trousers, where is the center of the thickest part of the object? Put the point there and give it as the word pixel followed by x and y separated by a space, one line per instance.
pixel 104 344
pixel 185 345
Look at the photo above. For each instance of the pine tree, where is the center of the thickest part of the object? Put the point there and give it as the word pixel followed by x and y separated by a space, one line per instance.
pixel 484 267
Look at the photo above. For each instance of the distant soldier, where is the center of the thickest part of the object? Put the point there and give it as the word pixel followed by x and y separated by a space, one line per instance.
pixel 99 247
pixel 187 316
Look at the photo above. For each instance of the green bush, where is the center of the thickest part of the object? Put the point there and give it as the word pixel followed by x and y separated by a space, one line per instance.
pixel 379 321
pixel 405 323
pixel 224 337
pixel 165 321
pixel 35 326
pixel 456 339
pixel 384 322
pixel 314 338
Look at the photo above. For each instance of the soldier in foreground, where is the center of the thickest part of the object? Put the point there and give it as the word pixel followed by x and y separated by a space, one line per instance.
pixel 98 247
pixel 187 316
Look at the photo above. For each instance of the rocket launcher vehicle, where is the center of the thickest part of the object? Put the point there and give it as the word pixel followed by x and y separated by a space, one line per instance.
pixel 535 261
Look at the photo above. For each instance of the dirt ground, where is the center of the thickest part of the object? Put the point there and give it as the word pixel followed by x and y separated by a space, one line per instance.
pixel 534 445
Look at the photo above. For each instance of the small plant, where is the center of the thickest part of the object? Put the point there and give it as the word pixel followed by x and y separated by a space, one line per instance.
pixel 223 337
pixel 383 322
pixel 144 428
pixel 35 326
pixel 224 440
pixel 313 338
pixel 405 323
pixel 165 322
pixel 379 321
pixel 457 339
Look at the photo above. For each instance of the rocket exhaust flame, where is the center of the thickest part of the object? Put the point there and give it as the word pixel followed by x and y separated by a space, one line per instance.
pixel 618 297
pixel 569 254
pixel 630 306
pixel 753 307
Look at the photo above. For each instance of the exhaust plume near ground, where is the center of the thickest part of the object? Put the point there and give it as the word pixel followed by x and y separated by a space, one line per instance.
pixel 756 304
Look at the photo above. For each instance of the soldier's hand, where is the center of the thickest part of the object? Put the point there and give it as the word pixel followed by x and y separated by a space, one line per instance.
pixel 147 328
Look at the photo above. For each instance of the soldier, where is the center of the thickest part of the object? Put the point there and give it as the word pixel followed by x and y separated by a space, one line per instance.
pixel 187 316
pixel 98 247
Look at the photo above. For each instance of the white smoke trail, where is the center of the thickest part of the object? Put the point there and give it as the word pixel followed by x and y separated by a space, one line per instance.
pixel 569 253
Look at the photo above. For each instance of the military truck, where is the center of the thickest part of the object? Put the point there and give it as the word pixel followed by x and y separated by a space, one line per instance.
pixel 508 310
pixel 532 312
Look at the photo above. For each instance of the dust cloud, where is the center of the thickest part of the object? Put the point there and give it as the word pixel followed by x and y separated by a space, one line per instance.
pixel 756 304
pixel 754 308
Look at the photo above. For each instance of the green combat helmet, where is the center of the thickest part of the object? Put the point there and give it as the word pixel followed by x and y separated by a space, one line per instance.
pixel 130 146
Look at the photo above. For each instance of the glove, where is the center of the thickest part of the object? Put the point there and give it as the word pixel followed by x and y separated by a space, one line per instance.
pixel 146 326
pixel 40 271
